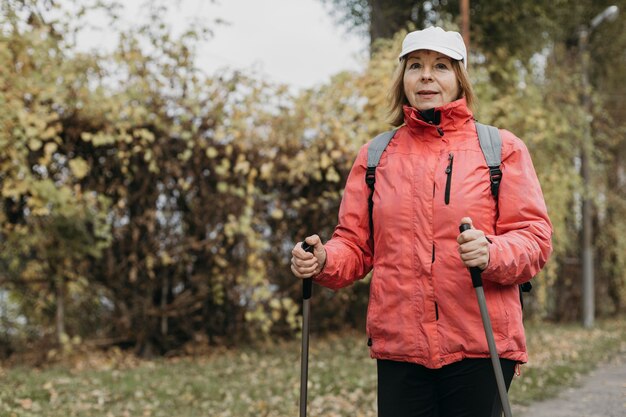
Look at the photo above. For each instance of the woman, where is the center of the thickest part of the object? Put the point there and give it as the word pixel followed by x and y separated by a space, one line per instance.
pixel 423 324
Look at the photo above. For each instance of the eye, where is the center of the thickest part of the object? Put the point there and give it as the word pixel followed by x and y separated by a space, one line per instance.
pixel 415 65
pixel 441 66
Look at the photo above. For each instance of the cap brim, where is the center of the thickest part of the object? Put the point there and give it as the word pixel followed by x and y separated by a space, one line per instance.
pixel 441 49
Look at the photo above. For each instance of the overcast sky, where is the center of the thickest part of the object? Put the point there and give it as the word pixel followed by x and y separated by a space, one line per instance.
pixel 289 41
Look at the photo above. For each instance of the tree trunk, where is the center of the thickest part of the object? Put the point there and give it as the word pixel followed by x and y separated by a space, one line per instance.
pixel 387 17
pixel 60 313
pixel 164 290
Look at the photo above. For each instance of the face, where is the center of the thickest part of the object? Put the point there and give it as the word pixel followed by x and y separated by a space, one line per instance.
pixel 429 80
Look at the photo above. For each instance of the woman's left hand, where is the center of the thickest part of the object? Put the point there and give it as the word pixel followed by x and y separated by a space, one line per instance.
pixel 473 246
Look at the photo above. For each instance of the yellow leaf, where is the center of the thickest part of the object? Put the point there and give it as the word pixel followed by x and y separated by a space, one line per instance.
pixel 222 187
pixel 26 403
pixel 211 152
pixel 34 144
pixel 14 188
pixel 332 175
pixel 79 167
pixel 277 214
pixel 49 133
pixel 40 211
pixel 50 148
pixel 325 161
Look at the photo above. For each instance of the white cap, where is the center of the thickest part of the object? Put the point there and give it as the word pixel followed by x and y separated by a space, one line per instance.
pixel 436 39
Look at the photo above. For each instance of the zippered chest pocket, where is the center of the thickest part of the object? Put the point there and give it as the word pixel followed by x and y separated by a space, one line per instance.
pixel 449 177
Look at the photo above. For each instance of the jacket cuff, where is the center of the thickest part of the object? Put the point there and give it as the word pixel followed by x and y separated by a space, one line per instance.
pixel 326 274
pixel 493 257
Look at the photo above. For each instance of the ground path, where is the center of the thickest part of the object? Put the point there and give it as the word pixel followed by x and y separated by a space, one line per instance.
pixel 602 393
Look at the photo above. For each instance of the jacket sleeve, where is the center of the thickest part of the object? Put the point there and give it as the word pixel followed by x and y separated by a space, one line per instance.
pixel 523 239
pixel 349 253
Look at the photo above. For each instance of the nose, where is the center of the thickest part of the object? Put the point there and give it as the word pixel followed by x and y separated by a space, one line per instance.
pixel 426 74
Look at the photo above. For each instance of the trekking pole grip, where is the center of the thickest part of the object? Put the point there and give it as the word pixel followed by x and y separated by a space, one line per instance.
pixel 307 283
pixel 475 271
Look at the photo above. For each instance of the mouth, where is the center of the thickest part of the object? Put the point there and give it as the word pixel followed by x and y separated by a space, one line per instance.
pixel 426 93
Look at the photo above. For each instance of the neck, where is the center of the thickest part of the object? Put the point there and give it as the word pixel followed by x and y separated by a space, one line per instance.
pixel 431 115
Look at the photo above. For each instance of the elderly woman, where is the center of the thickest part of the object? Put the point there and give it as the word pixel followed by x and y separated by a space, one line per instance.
pixel 423 322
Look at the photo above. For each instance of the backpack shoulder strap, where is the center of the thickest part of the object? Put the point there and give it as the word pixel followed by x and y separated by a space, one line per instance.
pixel 377 146
pixel 491 145
pixel 374 151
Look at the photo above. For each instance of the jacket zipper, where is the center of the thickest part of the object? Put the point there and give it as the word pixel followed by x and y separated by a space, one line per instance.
pixel 449 179
pixel 439 129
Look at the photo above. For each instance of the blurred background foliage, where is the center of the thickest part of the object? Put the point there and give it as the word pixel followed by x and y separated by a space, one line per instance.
pixel 148 205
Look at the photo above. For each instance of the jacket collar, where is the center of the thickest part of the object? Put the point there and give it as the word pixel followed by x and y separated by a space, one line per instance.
pixel 452 116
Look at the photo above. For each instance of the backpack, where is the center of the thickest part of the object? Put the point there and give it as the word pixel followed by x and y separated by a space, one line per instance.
pixel 490 144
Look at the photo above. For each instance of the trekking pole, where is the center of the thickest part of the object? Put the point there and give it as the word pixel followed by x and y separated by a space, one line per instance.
pixel 477 281
pixel 307 289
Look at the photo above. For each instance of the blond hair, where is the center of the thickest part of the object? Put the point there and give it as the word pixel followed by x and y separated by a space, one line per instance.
pixel 397 98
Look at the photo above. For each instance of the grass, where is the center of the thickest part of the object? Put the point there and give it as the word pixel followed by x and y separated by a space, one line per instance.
pixel 265 382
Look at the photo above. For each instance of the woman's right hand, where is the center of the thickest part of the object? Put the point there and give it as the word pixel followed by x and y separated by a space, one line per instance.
pixel 305 264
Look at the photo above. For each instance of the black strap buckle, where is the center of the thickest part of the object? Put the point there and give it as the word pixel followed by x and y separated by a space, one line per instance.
pixel 495 176
pixel 370 177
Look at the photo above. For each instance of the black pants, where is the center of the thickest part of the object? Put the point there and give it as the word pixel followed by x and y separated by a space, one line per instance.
pixel 463 389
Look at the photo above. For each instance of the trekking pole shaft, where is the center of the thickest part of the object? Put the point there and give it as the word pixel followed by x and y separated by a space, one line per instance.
pixel 477 282
pixel 493 352
pixel 307 289
pixel 304 362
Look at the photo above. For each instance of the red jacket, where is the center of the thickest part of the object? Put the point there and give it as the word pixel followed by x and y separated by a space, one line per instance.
pixel 422 305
